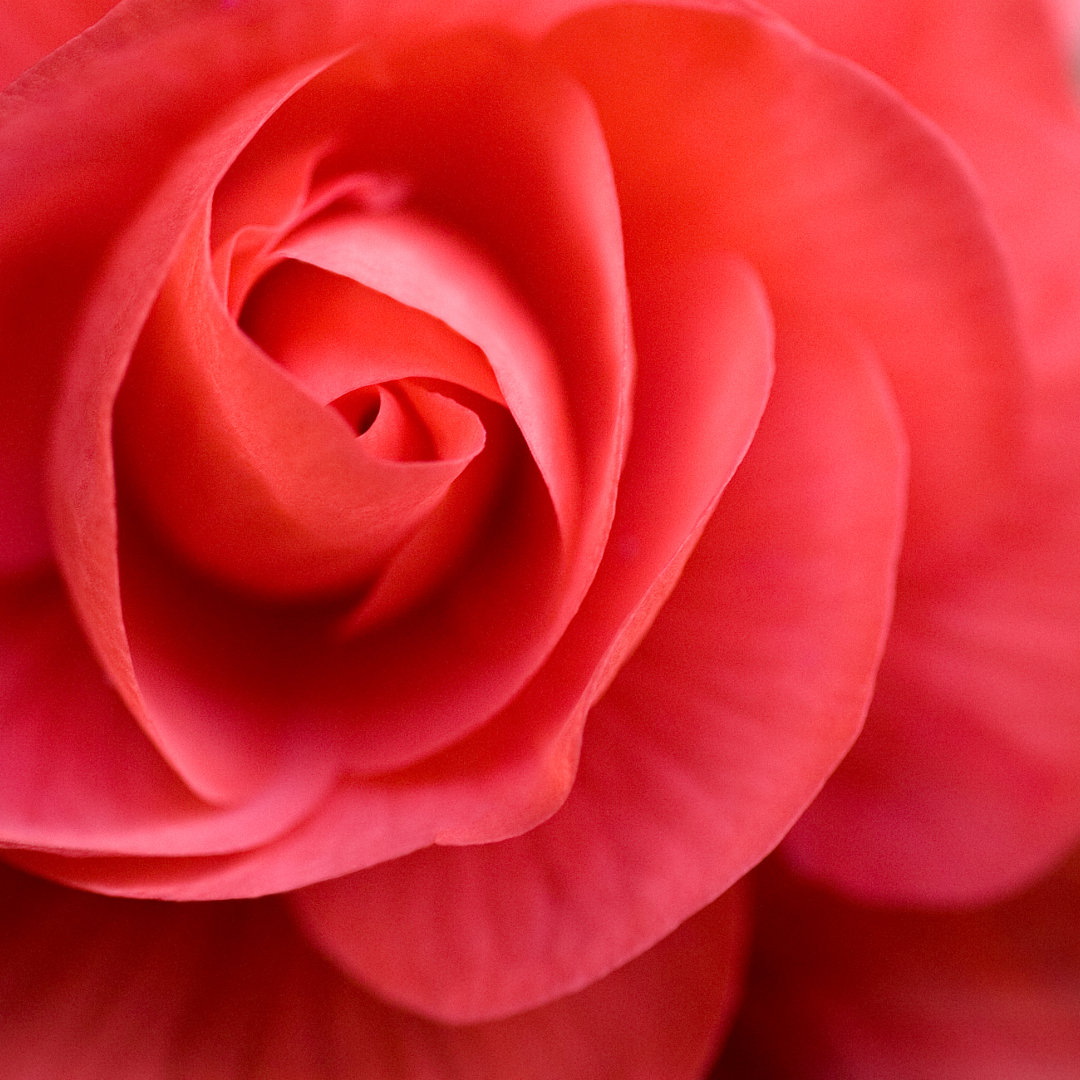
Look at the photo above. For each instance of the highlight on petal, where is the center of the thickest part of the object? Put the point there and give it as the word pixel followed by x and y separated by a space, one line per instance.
pixel 840 989
pixel 137 990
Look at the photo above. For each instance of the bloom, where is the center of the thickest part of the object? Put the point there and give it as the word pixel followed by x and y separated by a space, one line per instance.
pixel 459 490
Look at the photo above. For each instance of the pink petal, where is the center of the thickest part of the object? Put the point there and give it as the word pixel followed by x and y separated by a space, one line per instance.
pixel 408 689
pixel 81 776
pixel 427 268
pixel 86 534
pixel 996 77
pixel 750 685
pixel 135 990
pixel 65 199
pixel 81 469
pixel 847 203
pixel 966 782
pixel 583 225
pixel 29 30
pixel 306 319
pixel 838 989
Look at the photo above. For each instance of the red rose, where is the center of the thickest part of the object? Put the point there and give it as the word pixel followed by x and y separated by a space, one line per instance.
pixel 455 474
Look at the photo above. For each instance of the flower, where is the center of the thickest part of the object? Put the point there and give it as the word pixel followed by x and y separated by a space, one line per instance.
pixel 453 519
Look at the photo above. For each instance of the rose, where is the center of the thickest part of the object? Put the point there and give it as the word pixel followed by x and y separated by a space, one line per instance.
pixel 403 151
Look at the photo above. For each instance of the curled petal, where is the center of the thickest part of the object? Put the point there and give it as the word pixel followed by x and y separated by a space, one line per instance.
pixel 83 776
pixel 706 332
pixel 737 130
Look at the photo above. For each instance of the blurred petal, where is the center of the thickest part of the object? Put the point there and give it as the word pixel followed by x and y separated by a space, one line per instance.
pixel 841 990
pixel 132 990
pixel 29 30
pixel 966 782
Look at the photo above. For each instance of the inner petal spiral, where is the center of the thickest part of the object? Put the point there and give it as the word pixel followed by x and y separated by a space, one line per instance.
pixel 251 478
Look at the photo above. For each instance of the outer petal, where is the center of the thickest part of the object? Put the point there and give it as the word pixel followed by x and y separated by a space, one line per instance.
pixel 840 990
pixel 750 685
pixel 848 204
pixel 967 779
pixel 127 990
pixel 65 200
pixel 995 77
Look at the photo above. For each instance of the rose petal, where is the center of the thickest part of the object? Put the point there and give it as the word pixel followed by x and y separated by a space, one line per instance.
pixel 83 496
pixel 996 78
pixel 29 31
pixel 275 493
pixel 837 989
pixel 721 727
pixel 846 201
pixel 306 320
pixel 424 268
pixel 82 776
pixel 418 684
pixel 144 991
pixel 66 200
pixel 966 782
